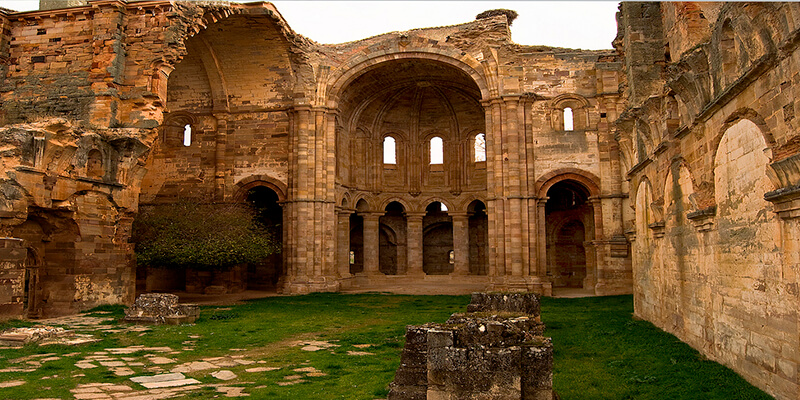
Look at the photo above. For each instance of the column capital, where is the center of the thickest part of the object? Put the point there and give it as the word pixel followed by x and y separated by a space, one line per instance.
pixel 371 214
pixel 459 214
pixel 415 214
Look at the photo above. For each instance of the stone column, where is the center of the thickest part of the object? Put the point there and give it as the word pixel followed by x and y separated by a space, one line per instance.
pixel 343 242
pixel 414 240
pixel 541 237
pixel 599 247
pixel 372 243
pixel 460 242
pixel 220 143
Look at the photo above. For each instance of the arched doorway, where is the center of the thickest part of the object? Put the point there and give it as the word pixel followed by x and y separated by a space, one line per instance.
pixel 266 274
pixel 393 240
pixel 357 238
pixel 569 220
pixel 437 240
pixel 478 237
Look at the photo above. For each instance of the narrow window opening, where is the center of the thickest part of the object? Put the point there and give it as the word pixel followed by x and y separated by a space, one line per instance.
pixel 187 135
pixel 480 147
pixel 452 257
pixel 568 122
pixel 437 151
pixel 389 150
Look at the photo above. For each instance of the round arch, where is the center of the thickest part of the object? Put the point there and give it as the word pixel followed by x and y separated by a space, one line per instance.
pixel 587 179
pixel 425 203
pixel 737 116
pixel 385 203
pixel 360 65
pixel 244 185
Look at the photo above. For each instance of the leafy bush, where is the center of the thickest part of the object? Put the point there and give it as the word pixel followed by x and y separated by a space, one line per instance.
pixel 201 236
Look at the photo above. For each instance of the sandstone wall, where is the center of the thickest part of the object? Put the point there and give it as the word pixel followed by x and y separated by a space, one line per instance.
pixel 711 154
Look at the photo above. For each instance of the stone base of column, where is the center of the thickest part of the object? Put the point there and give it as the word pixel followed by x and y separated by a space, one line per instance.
pixel 305 285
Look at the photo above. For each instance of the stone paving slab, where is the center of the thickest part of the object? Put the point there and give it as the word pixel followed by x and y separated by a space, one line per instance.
pixel 164 380
pixel 224 375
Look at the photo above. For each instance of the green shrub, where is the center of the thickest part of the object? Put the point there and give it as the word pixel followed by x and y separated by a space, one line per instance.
pixel 201 236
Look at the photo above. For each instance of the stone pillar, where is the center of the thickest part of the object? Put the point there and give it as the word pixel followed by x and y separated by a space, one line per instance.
pixel 541 236
pixel 220 144
pixel 372 243
pixel 311 222
pixel 414 240
pixel 343 242
pixel 599 247
pixel 460 242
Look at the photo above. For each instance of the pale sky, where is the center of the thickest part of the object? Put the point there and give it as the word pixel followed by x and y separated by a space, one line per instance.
pixel 574 24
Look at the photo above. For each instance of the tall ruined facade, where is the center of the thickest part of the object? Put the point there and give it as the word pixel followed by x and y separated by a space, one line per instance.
pixel 445 157
pixel 711 155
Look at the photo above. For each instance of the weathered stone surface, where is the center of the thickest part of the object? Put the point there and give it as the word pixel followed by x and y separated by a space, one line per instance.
pixel 711 140
pixel 161 308
pixel 472 356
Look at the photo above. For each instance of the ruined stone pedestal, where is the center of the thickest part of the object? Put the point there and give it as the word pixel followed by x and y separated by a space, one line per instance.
pixel 161 308
pixel 495 351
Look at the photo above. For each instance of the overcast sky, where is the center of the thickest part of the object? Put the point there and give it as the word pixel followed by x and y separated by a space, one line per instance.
pixel 574 24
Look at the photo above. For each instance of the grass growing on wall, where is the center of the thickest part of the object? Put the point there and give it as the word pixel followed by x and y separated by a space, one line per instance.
pixel 601 353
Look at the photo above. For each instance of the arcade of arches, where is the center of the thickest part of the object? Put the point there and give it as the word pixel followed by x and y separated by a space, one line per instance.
pixel 435 160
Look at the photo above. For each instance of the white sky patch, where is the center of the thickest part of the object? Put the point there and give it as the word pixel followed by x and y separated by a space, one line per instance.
pixel 587 25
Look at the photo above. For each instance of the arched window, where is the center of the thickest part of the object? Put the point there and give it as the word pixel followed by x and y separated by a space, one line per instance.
pixel 389 150
pixel 480 147
pixel 437 151
pixel 187 135
pixel 568 121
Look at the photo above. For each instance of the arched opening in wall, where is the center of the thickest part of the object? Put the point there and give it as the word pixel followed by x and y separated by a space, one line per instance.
pixel 569 221
pixel 266 274
pixel 568 119
pixel 357 238
pixel 392 256
pixel 570 261
pixel 389 151
pixel 50 241
pixel 431 108
pixel 94 164
pixel 436 156
pixel 187 135
pixel 478 237
pixel 479 149
pixel 437 240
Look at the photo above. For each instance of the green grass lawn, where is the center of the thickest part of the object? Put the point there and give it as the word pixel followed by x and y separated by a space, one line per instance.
pixel 600 351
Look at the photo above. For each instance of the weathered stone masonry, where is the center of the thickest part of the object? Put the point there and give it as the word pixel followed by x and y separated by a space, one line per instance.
pixel 709 149
pixel 677 178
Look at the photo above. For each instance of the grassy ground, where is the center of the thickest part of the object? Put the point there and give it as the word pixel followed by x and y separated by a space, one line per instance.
pixel 600 352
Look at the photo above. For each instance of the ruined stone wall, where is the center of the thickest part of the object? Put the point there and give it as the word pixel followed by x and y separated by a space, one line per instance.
pixel 494 351
pixel 83 90
pixel 711 158
pixel 159 101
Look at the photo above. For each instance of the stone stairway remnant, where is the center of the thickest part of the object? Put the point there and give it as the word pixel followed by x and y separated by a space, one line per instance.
pixel 494 351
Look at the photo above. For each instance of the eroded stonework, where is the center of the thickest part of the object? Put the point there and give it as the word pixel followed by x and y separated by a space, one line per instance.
pixel 709 146
pixel 442 159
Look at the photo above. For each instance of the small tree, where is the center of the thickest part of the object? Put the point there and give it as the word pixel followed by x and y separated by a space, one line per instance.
pixel 201 236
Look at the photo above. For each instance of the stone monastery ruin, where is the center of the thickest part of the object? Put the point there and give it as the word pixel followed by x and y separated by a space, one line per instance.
pixel 449 157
